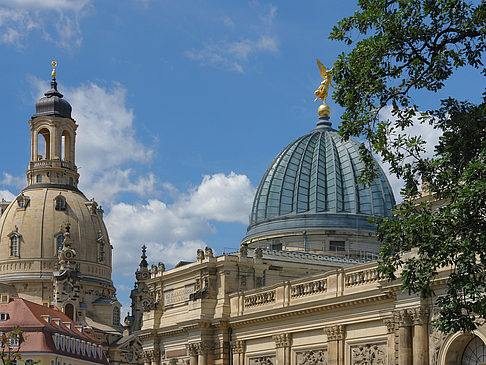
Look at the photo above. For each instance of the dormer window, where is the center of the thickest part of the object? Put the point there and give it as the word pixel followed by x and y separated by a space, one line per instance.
pixel 22 201
pixel 60 203
pixel 14 246
pixel 3 317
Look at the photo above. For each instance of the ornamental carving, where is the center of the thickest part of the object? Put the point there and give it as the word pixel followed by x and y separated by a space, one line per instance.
pixel 371 354
pixel 335 333
pixel 419 315
pixel 263 360
pixel 436 340
pixel 238 346
pixel 403 318
pixel 312 357
pixel 192 349
pixel 282 340
pixel 205 347
pixel 390 325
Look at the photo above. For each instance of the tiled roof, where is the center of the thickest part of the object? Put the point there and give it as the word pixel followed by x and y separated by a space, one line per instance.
pixel 47 329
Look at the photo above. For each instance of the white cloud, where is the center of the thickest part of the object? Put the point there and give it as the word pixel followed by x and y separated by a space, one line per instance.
pixel 234 54
pixel 173 232
pixel 424 130
pixel 15 181
pixel 55 20
pixel 222 198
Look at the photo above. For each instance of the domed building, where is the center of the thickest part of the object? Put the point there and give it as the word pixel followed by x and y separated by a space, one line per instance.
pixel 309 199
pixel 54 246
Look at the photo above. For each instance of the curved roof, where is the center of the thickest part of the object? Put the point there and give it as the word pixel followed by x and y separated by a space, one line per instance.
pixel 314 179
pixel 38 224
pixel 53 104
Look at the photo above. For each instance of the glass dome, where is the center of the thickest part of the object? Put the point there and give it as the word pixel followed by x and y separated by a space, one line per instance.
pixel 313 182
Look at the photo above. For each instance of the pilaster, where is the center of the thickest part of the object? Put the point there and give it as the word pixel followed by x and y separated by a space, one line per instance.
pixel 282 346
pixel 335 344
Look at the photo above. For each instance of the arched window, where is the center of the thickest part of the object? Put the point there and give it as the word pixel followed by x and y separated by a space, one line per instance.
pixel 59 242
pixel 43 144
pixel 116 316
pixel 69 311
pixel 66 146
pixel 474 353
pixel 38 178
pixel 14 246
pixel 60 203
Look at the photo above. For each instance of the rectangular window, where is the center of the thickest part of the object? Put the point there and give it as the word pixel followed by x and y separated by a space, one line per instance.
pixel 337 246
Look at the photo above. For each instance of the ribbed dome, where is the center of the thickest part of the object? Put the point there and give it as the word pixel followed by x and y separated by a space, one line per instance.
pixel 315 178
pixel 52 104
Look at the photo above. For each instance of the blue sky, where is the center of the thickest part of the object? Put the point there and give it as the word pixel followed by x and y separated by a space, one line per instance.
pixel 181 107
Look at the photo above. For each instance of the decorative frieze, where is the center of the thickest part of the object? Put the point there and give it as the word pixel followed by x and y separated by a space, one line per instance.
pixel 335 333
pixel 312 357
pixel 263 360
pixel 282 340
pixel 370 354
pixel 238 346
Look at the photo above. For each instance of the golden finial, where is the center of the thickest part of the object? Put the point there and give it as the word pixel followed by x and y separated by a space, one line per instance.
pixel 53 73
pixel 323 90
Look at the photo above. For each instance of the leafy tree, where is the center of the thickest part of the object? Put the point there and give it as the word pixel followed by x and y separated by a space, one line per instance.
pixel 10 343
pixel 402 49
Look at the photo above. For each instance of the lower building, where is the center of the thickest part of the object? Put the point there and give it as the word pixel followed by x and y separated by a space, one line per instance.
pixel 45 336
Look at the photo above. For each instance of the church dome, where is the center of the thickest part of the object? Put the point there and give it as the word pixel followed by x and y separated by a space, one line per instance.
pixel 313 184
pixel 53 104
pixel 38 218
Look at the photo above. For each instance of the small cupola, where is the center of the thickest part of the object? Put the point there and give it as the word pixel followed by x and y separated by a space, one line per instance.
pixel 52 103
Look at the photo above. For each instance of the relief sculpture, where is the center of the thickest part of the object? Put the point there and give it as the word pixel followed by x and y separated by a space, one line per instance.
pixel 372 354
pixel 312 357
pixel 263 360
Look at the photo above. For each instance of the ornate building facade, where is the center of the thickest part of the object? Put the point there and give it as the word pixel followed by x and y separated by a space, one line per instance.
pixel 54 246
pixel 303 288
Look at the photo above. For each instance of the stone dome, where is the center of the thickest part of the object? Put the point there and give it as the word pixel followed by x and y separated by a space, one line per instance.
pixel 53 104
pixel 313 184
pixel 37 220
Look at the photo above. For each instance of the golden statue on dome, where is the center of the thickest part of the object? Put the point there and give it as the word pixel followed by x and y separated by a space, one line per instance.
pixel 53 73
pixel 323 90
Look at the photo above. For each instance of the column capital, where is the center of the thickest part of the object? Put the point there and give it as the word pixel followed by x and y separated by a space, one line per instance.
pixel 191 349
pixel 282 340
pixel 403 318
pixel 205 347
pixel 419 315
pixel 238 346
pixel 334 333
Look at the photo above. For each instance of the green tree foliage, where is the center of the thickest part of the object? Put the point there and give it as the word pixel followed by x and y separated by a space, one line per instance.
pixel 401 50
pixel 10 343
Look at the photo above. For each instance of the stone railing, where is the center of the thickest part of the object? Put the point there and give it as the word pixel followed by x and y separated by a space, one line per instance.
pixel 260 298
pixel 320 288
pixel 362 277
pixel 52 163
pixel 308 288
